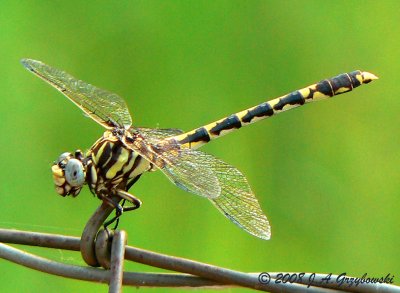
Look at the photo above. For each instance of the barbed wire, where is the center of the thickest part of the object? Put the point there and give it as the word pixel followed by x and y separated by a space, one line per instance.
pixel 109 250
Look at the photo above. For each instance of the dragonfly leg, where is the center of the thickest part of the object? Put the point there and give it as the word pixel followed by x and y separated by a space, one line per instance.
pixel 118 212
pixel 112 203
pixel 131 198
pixel 119 209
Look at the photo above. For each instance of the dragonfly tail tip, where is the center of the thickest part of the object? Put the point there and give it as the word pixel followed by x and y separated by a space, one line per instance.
pixel 368 77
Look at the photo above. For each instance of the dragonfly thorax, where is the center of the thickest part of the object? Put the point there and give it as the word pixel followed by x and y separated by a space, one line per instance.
pixel 113 166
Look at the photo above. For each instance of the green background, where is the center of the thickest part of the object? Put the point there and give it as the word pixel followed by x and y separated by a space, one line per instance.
pixel 326 174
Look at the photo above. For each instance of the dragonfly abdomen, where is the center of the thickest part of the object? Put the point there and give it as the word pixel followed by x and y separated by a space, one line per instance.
pixel 322 90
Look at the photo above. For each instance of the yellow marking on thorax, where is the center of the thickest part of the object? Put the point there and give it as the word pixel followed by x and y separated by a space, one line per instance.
pixel 107 137
pixel 128 167
pixel 122 159
pixel 99 153
pixel 141 168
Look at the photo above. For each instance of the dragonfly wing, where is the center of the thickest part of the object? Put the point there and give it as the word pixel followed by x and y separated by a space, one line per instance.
pixel 224 185
pixel 154 135
pixel 205 175
pixel 184 167
pixel 106 108
pixel 189 171
pixel 236 200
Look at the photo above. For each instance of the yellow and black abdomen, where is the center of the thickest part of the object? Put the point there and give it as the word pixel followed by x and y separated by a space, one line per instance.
pixel 322 90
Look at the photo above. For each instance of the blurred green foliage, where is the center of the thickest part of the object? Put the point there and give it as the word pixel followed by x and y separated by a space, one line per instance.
pixel 326 174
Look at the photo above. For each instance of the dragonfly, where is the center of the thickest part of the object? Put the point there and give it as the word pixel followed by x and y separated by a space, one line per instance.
pixel 117 160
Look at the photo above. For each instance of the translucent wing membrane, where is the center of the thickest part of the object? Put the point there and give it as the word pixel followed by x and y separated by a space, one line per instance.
pixel 189 171
pixel 154 135
pixel 205 175
pixel 237 201
pixel 104 107
pixel 184 167
pixel 223 184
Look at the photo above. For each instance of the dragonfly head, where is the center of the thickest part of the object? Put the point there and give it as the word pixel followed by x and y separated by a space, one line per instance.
pixel 69 173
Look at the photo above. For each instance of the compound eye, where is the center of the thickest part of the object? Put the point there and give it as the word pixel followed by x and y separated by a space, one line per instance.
pixel 74 173
pixel 62 157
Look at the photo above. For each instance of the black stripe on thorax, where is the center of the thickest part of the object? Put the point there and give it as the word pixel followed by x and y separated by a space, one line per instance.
pixel 89 175
pixel 228 123
pixel 115 154
pixel 138 160
pixel 105 155
pixel 200 134
pixel 261 110
pixel 133 181
pixel 121 171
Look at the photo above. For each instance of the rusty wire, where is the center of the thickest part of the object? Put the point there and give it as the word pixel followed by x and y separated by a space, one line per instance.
pixel 219 276
pixel 109 250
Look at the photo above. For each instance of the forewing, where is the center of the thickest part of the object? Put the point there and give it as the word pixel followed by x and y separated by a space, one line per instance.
pixel 104 107
pixel 154 135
